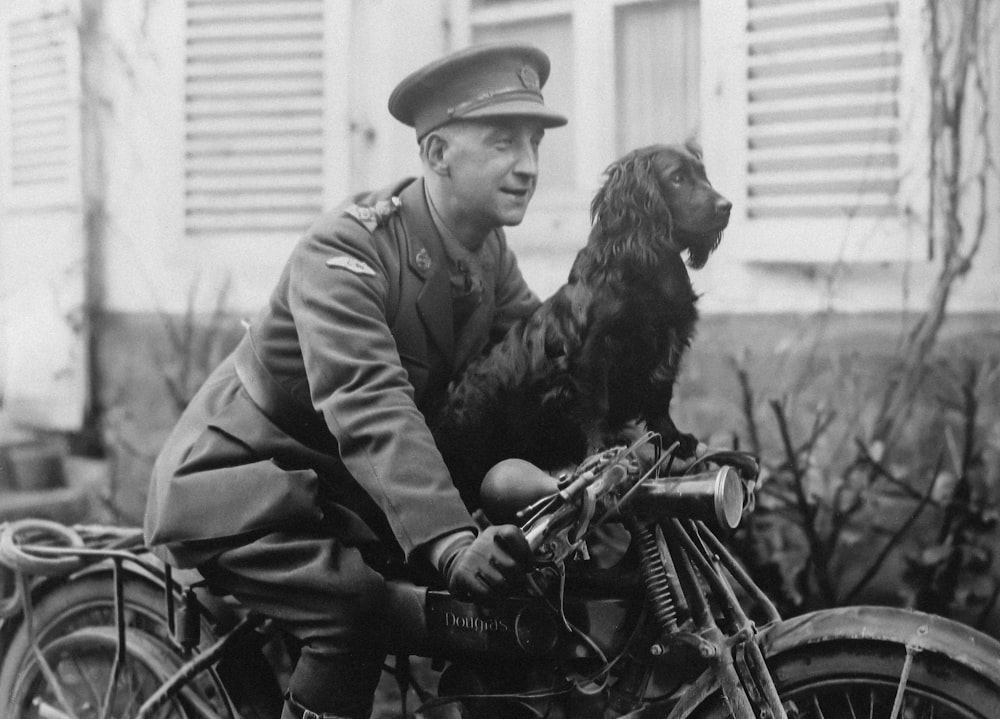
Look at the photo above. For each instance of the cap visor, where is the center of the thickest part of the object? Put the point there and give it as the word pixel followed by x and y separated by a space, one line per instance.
pixel 517 108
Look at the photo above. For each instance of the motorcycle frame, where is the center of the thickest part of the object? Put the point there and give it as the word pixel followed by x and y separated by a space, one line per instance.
pixel 693 547
pixel 696 551
pixel 732 641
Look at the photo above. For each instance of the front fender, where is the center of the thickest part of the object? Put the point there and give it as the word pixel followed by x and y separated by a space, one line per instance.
pixel 903 627
pixel 922 632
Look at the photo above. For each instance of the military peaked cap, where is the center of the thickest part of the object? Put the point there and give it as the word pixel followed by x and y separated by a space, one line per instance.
pixel 495 80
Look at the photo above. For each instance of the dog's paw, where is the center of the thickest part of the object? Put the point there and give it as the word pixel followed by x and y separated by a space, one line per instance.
pixel 688 445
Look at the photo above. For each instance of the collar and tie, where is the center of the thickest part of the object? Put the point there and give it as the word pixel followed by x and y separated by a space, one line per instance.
pixel 466 270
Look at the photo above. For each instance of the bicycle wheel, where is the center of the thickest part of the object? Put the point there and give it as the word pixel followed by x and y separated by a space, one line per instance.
pixel 87 603
pixel 849 679
pixel 80 682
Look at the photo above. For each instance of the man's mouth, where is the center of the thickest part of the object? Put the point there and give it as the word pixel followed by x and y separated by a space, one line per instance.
pixel 515 192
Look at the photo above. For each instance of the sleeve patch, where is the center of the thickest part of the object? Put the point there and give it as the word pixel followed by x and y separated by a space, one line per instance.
pixel 351 264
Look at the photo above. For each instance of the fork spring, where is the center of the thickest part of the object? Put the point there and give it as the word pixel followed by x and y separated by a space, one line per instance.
pixel 655 579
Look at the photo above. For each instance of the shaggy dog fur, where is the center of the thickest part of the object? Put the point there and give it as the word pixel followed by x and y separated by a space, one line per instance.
pixel 604 351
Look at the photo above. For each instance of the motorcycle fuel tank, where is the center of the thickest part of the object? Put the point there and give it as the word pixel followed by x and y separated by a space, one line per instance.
pixel 524 625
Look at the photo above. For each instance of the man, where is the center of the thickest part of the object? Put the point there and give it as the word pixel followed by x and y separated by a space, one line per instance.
pixel 304 463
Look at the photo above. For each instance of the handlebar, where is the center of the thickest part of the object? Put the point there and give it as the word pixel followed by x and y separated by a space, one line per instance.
pixel 744 463
pixel 558 513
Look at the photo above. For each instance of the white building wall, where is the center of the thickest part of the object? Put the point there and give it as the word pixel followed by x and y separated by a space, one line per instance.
pixel 150 266
pixel 372 45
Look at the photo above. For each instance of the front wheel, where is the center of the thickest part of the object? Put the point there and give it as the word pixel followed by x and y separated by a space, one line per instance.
pixel 852 679
pixel 879 664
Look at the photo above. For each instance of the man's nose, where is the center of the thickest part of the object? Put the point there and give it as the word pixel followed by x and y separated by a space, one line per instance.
pixel 527 160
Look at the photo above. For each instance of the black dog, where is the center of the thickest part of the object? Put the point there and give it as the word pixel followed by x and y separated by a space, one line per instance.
pixel 605 349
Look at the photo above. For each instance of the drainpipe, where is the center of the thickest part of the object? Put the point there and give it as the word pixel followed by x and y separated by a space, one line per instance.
pixel 89 440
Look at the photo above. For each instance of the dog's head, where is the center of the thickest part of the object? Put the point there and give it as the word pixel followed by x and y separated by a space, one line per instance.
pixel 661 193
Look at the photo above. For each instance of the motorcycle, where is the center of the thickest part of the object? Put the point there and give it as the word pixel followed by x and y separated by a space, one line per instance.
pixel 634 608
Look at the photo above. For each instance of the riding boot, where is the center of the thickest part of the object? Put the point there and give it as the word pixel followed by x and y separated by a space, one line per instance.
pixel 293 710
pixel 338 686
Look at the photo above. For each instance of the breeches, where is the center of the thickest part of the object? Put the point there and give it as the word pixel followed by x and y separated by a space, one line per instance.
pixel 315 587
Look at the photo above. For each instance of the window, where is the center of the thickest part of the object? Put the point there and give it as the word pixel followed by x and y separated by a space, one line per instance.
pixel 554 33
pixel 657 73
pixel 254 117
pixel 626 72
pixel 40 86
pixel 817 122
pixel 822 110
pixel 42 232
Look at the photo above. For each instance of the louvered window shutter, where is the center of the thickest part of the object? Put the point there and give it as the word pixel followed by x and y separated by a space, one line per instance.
pixel 825 129
pixel 254 118
pixel 822 110
pixel 42 233
pixel 40 87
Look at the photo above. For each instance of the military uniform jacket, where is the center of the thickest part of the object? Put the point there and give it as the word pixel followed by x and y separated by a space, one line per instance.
pixel 358 340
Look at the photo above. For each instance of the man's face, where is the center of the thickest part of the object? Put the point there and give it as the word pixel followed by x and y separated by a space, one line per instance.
pixel 492 169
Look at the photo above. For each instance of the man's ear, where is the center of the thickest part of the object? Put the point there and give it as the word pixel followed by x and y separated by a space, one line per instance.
pixel 435 152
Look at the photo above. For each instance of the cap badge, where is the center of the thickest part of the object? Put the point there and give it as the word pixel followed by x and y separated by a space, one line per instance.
pixel 529 78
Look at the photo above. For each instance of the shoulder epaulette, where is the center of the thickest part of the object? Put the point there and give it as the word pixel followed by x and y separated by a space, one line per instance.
pixel 372 216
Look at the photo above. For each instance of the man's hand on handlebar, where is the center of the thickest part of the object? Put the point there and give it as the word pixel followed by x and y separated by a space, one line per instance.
pixel 486 565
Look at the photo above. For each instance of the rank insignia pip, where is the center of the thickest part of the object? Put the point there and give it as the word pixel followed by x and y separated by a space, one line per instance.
pixel 352 264
pixel 423 259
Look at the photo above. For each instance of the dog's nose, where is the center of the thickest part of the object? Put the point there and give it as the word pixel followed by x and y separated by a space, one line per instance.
pixel 723 206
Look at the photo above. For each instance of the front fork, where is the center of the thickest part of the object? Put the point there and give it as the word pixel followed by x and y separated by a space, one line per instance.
pixel 676 572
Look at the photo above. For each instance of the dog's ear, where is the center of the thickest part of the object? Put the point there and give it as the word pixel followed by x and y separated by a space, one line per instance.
pixel 692 146
pixel 631 197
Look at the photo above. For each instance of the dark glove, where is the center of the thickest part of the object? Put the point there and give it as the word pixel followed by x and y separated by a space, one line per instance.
pixel 488 564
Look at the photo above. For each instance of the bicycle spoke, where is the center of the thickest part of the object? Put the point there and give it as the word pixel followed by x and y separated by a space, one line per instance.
pixel 91 690
pixel 904 678
pixel 850 704
pixel 85 678
pixel 819 709
pixel 137 685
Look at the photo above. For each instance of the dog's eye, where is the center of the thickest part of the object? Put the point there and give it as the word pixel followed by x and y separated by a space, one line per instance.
pixel 677 178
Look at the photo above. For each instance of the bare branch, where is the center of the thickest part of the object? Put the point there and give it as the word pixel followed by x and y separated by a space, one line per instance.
pixel 894 540
pixel 817 547
pixel 746 393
